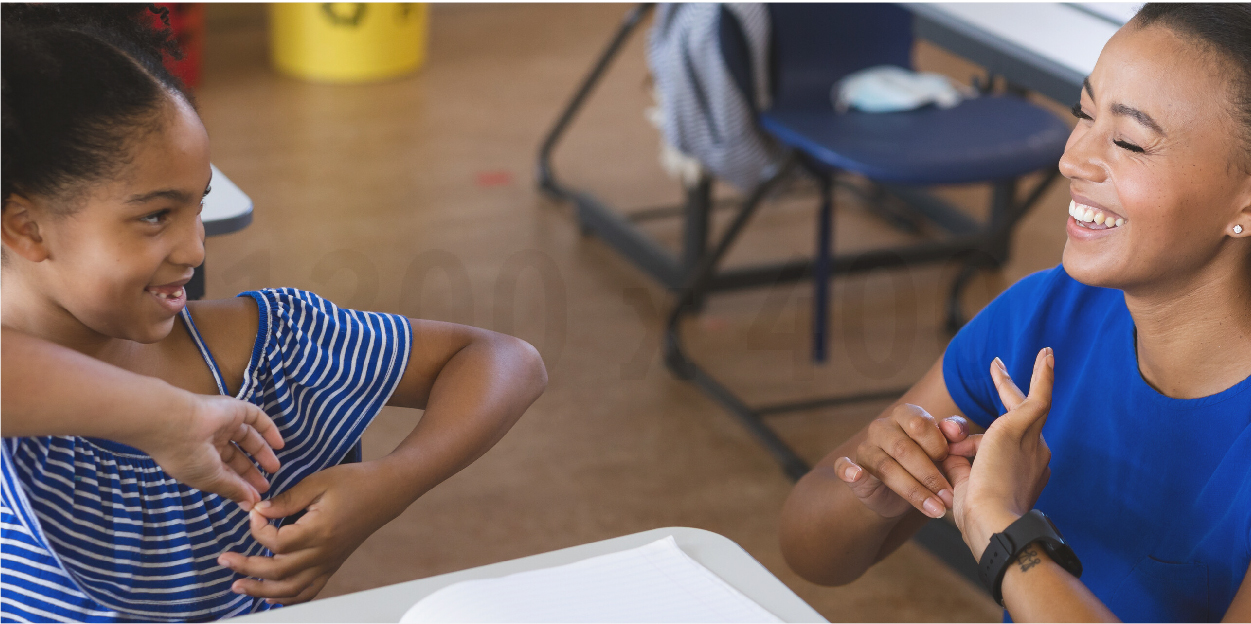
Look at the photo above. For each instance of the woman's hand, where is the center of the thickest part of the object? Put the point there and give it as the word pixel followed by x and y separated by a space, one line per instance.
pixel 1011 468
pixel 343 505
pixel 209 449
pixel 896 467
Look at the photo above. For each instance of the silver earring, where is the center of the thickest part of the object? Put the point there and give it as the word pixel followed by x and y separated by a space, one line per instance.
pixel 1237 229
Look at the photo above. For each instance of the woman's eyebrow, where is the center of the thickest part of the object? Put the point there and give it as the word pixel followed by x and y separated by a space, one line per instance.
pixel 1126 111
pixel 1139 116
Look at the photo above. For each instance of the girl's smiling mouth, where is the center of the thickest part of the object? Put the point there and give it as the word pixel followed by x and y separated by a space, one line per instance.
pixel 171 296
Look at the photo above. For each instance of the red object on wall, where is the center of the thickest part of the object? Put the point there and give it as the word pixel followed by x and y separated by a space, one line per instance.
pixel 187 21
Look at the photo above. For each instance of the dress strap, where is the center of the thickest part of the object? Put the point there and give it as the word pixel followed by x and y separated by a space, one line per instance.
pixel 204 352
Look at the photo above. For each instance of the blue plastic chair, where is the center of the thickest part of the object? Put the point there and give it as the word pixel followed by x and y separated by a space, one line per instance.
pixel 993 138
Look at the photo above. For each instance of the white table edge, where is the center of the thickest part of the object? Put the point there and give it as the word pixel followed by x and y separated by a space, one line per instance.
pixel 719 554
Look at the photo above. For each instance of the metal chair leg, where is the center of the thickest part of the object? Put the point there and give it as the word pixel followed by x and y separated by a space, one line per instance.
pixel 543 168
pixel 821 269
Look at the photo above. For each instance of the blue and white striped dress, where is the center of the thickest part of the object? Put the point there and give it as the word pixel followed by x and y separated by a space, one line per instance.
pixel 93 530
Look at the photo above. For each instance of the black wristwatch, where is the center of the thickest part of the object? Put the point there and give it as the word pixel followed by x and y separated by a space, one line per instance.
pixel 1005 547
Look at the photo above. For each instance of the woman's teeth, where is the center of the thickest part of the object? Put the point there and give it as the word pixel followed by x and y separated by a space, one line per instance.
pixel 1085 215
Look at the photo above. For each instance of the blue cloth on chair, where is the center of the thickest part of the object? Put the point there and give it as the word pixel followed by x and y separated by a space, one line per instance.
pixel 986 138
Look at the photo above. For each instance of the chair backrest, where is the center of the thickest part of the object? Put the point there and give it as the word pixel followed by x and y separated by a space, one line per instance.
pixel 816 44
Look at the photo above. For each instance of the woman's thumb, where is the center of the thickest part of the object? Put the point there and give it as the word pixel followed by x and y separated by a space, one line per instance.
pixel 957 468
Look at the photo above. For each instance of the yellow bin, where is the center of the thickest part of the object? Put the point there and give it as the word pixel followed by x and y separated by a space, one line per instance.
pixel 348 41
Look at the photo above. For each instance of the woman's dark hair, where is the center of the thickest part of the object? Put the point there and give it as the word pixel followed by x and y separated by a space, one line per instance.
pixel 1221 28
pixel 80 82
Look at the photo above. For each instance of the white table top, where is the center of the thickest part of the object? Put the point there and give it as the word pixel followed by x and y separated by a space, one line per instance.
pixel 720 555
pixel 1059 32
pixel 226 208
pixel 1047 47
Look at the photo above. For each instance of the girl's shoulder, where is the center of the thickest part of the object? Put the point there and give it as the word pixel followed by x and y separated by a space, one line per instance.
pixel 228 328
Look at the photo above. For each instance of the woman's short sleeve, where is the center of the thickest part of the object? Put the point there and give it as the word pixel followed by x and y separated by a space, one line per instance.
pixel 322 373
pixel 997 331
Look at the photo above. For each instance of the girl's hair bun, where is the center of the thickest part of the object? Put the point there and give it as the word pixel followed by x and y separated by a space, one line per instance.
pixel 80 81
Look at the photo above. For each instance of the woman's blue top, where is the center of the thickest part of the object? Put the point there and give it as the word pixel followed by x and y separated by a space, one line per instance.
pixel 1153 493
pixel 93 530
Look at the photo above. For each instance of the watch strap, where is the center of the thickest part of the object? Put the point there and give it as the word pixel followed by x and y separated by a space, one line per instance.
pixel 1006 546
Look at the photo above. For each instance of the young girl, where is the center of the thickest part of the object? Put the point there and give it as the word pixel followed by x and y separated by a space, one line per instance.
pixel 1140 352
pixel 105 164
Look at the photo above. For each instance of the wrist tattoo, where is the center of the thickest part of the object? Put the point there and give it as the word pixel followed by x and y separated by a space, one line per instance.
pixel 1028 558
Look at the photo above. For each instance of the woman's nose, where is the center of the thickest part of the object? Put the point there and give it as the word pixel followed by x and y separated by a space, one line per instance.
pixel 1081 160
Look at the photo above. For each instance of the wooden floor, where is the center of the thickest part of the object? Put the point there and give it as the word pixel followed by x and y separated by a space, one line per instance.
pixel 416 196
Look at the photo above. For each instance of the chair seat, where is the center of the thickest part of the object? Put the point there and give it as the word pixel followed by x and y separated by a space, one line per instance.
pixel 981 139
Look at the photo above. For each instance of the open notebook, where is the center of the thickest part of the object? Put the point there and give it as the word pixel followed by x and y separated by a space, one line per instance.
pixel 653 583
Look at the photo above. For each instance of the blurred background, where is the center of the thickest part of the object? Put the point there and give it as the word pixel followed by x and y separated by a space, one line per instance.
pixel 415 194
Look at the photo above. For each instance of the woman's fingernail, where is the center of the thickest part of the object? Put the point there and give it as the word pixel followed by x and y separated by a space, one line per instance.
pixel 264 505
pixel 948 499
pixel 246 505
pixel 999 363
pixel 851 473
pixel 933 507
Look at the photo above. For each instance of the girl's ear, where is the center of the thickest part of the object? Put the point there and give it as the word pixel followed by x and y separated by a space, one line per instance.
pixel 19 229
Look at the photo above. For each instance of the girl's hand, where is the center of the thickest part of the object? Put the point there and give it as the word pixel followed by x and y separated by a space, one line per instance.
pixel 209 449
pixel 1011 468
pixel 895 469
pixel 344 505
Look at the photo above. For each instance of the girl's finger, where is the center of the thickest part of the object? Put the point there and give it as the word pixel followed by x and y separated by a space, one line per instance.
pixel 253 444
pixel 246 470
pixel 1008 392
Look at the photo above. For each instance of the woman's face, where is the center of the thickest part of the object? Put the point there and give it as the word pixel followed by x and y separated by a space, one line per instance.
pixel 1157 150
pixel 119 261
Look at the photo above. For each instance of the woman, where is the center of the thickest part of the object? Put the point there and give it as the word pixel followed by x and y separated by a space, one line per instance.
pixel 1140 350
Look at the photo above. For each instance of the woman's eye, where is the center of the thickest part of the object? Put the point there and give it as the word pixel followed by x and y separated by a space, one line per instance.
pixel 1129 146
pixel 1077 112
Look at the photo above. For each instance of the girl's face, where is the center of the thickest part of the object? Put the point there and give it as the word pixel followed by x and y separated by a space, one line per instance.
pixel 1158 151
pixel 118 263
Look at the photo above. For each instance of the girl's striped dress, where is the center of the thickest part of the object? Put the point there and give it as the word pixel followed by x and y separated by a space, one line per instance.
pixel 94 530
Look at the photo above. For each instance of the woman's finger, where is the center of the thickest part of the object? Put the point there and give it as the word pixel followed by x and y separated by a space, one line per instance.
pixel 912 421
pixel 966 447
pixel 1040 388
pixel 928 500
pixel 1008 392
pixel 954 428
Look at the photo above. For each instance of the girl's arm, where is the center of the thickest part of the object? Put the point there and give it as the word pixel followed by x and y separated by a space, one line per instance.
pixel 51 390
pixel 473 384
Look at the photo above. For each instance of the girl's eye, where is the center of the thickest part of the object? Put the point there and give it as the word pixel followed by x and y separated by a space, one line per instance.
pixel 155 218
pixel 1129 146
pixel 1077 112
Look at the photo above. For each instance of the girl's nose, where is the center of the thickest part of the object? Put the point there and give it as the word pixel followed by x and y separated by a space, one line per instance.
pixel 190 250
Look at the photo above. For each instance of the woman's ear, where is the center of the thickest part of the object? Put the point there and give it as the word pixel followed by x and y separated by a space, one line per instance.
pixel 19 229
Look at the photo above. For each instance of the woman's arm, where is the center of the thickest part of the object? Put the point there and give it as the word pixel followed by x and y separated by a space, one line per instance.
pixel 473 384
pixel 835 527
pixel 48 389
pixel 1002 485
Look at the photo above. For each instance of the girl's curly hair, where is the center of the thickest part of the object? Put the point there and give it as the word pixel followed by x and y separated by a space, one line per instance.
pixel 79 82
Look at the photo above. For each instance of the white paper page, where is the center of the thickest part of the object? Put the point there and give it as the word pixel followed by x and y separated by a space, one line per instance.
pixel 653 583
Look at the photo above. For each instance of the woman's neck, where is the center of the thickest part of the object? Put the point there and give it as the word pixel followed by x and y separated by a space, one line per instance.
pixel 1194 340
